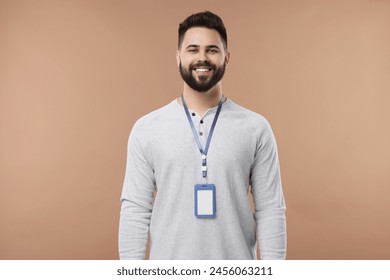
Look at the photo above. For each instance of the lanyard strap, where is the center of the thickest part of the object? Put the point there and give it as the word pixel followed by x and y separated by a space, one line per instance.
pixel 203 152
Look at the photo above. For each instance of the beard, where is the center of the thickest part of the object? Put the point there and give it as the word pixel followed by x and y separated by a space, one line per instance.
pixel 203 83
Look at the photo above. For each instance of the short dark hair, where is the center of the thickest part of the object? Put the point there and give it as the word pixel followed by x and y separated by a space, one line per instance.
pixel 203 19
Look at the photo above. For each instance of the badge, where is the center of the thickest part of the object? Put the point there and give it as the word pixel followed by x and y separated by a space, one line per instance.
pixel 205 201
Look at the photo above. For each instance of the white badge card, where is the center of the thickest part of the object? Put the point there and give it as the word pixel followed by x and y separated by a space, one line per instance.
pixel 205 201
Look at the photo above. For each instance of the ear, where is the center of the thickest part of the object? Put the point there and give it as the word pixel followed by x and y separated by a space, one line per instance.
pixel 227 58
pixel 178 57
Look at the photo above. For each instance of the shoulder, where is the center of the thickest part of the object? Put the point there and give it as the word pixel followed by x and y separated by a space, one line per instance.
pixel 146 127
pixel 155 119
pixel 254 120
pixel 258 127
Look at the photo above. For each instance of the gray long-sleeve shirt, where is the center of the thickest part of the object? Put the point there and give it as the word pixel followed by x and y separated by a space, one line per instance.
pixel 163 157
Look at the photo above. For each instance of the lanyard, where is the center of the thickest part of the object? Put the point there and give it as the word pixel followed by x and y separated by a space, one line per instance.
pixel 203 152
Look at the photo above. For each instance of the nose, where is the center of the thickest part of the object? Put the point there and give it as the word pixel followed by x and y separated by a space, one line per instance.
pixel 203 56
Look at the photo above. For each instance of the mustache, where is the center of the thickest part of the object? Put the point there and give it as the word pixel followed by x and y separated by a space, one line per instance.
pixel 204 64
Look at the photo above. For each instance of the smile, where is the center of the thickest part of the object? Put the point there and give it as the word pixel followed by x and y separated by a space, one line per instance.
pixel 202 69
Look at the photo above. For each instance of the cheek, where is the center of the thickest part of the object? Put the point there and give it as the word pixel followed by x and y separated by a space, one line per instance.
pixel 220 61
pixel 185 61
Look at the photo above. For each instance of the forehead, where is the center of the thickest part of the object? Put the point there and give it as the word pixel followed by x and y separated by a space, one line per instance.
pixel 202 36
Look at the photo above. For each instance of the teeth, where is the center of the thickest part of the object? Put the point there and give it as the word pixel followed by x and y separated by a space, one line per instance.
pixel 202 70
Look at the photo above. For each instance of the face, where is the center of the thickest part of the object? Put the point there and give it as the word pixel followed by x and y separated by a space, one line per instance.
pixel 202 58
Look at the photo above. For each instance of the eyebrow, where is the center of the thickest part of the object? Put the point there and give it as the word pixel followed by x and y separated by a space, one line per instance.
pixel 207 47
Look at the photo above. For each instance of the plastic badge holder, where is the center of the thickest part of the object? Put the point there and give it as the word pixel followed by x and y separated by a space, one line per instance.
pixel 205 201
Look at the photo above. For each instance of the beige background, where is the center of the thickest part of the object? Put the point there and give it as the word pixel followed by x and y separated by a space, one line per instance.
pixel 76 75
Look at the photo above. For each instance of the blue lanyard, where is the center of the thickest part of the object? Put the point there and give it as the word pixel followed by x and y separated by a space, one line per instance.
pixel 203 152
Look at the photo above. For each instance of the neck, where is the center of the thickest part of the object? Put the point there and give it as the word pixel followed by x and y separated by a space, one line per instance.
pixel 200 102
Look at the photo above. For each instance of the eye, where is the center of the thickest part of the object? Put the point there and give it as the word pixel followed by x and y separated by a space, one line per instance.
pixel 213 50
pixel 192 50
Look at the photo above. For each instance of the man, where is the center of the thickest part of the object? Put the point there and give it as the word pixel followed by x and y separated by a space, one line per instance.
pixel 200 153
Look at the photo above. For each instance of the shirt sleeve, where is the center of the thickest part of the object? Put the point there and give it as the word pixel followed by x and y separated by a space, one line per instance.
pixel 268 197
pixel 136 200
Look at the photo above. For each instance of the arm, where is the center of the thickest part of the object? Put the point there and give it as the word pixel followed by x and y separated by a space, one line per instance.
pixel 136 199
pixel 268 197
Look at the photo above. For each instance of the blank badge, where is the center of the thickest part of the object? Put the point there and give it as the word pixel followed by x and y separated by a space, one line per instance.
pixel 205 201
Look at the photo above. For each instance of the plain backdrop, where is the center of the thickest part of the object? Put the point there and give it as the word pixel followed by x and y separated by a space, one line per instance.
pixel 76 75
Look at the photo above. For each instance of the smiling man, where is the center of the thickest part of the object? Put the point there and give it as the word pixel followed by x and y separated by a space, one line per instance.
pixel 199 154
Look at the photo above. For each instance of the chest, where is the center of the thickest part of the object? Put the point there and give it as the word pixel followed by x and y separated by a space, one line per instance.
pixel 232 146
